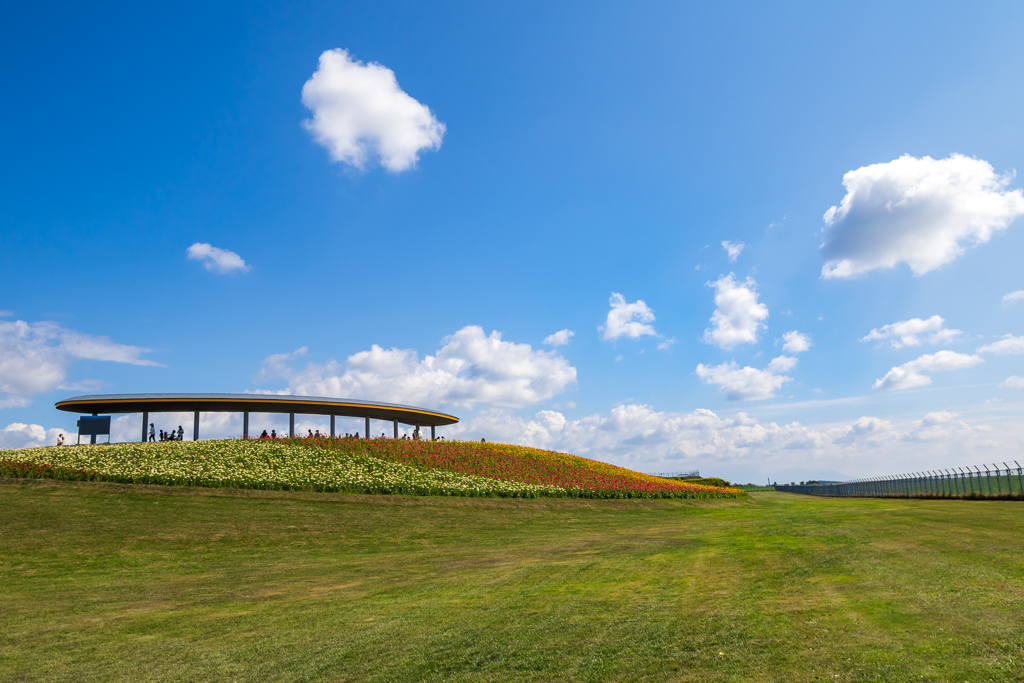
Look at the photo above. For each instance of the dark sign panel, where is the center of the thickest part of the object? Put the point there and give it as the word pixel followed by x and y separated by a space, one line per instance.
pixel 94 426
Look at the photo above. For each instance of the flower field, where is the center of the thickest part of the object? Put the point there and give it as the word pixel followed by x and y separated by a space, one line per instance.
pixel 507 462
pixel 381 466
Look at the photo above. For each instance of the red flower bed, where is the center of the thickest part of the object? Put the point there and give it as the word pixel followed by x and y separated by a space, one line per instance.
pixel 519 463
pixel 35 470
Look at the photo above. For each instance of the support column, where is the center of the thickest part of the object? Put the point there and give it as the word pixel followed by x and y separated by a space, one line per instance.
pixel 195 428
pixel 367 428
pixel 245 424
pixel 332 426
pixel 145 426
pixel 291 425
pixel 92 439
pixel 396 429
pixel 432 437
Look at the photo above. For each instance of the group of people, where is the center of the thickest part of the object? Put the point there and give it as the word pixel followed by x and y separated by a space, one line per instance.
pixel 172 435
pixel 310 434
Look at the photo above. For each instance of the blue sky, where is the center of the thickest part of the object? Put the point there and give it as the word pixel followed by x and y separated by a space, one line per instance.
pixel 407 202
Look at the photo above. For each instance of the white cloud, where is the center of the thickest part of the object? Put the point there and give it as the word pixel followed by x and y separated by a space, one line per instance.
pixel 795 342
pixel 911 375
pixel 738 317
pixel 1013 297
pixel 216 260
pixel 470 369
pixel 560 338
pixel 1013 382
pixel 733 249
pixel 1007 345
pixel 747 383
pixel 21 435
pixel 638 436
pixel 627 319
pixel 913 332
pixel 922 212
pixel 941 424
pixel 35 357
pixel 359 111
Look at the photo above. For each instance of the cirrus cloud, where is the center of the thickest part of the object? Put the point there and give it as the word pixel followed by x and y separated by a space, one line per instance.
pixel 35 357
pixel 359 111
pixel 920 211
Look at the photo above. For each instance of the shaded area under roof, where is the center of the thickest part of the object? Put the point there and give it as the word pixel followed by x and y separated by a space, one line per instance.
pixel 253 403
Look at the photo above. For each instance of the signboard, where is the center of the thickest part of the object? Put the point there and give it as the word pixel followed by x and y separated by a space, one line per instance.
pixel 93 426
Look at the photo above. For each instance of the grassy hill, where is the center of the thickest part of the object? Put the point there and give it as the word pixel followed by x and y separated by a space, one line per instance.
pixel 445 468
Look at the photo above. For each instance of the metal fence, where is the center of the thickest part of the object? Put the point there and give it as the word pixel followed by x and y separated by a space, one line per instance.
pixel 1004 481
pixel 677 475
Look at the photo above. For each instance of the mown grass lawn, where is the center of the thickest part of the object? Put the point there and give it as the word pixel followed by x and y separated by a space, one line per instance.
pixel 104 581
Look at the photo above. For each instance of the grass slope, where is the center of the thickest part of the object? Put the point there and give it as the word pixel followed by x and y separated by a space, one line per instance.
pixel 106 581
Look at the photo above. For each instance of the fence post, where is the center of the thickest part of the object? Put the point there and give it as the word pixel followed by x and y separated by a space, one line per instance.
pixel 999 484
pixel 1020 483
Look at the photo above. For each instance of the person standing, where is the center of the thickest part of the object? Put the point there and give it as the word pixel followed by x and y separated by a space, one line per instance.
pixel 60 439
pixel 181 433
pixel 152 432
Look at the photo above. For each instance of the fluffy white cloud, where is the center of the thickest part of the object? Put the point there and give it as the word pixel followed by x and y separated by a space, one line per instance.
pixel 627 319
pixel 911 375
pixel 795 342
pixel 638 436
pixel 471 369
pixel 913 332
pixel 733 249
pixel 747 383
pixel 1013 382
pixel 359 111
pixel 560 338
pixel 922 212
pixel 941 424
pixel 1007 345
pixel 35 357
pixel 1013 297
pixel 216 260
pixel 21 435
pixel 738 317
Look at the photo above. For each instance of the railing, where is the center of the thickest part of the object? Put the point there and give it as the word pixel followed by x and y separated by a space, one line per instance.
pixel 677 475
pixel 1004 482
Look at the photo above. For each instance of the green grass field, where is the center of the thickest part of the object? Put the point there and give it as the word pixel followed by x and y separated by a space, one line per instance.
pixel 104 581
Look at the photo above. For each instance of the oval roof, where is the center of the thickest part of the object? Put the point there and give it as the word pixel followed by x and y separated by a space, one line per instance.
pixel 253 403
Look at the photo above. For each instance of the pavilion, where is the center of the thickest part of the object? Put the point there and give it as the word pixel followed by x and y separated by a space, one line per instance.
pixel 255 403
